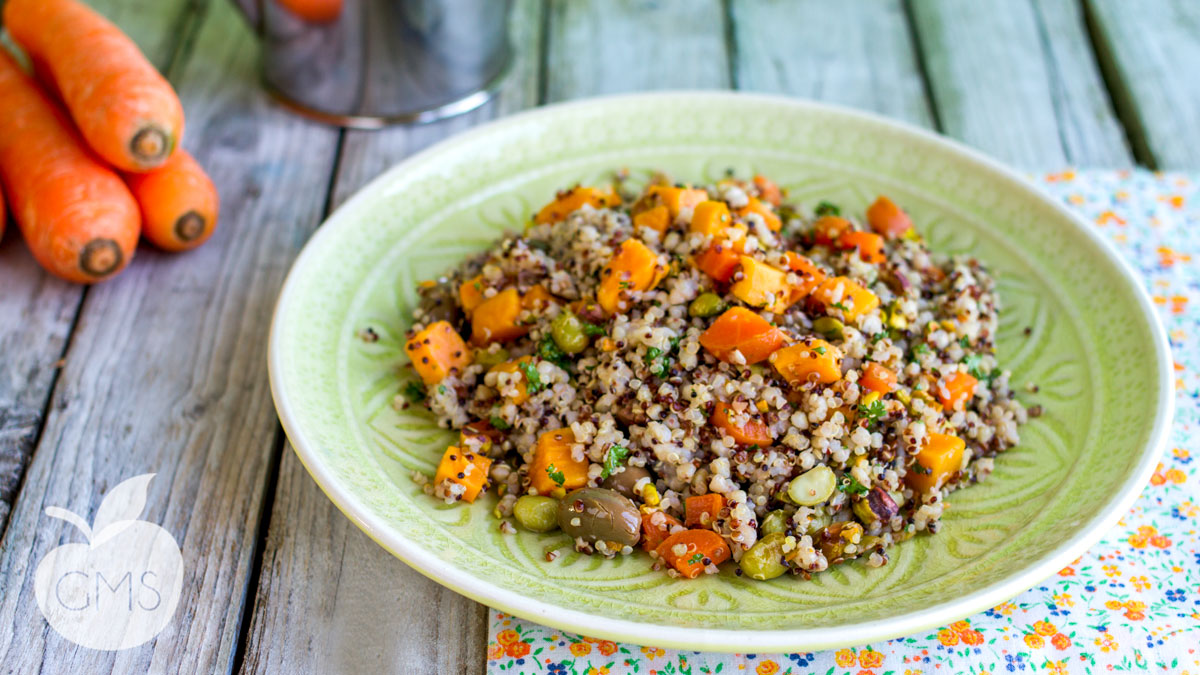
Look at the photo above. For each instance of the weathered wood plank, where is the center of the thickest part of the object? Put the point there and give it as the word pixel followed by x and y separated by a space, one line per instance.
pixel 603 47
pixel 329 599
pixel 166 374
pixel 1018 80
pixel 854 52
pixel 36 310
pixel 1148 51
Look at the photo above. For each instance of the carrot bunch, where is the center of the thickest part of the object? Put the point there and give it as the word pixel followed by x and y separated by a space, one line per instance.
pixel 89 145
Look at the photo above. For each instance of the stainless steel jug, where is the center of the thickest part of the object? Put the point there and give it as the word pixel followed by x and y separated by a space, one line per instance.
pixel 367 63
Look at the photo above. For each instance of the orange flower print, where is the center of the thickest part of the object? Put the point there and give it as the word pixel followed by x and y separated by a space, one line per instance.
pixel 1056 667
pixel 1064 600
pixel 1005 608
pixel 1106 642
pixel 870 659
pixel 1140 583
pixel 1044 628
pixel 602 670
pixel 1181 453
pixel 865 672
pixel 1111 571
pixel 1188 509
pixel 1168 257
pixel 947 637
pixel 517 649
pixel 1060 641
pixel 580 649
pixel 1060 177
pixel 508 637
pixel 845 658
pixel 767 667
pixel 1175 476
pixel 1109 217
pixel 606 647
pixel 1159 541
pixel 494 651
pixel 1114 604
pixel 960 626
pixel 1034 640
pixel 1067 572
pixel 653 652
pixel 971 637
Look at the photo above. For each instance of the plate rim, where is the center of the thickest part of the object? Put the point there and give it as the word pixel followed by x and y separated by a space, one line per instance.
pixel 720 639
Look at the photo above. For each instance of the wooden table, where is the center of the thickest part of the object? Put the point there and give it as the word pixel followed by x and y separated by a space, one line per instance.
pixel 164 369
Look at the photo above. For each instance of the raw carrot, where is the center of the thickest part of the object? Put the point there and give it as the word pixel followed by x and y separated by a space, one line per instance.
pixel 79 219
pixel 178 201
pixel 123 107
pixel 690 552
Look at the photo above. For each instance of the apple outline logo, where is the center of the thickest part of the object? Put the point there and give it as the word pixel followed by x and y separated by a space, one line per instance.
pixel 121 588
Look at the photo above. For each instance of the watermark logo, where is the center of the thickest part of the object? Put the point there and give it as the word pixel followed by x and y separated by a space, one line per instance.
pixel 120 589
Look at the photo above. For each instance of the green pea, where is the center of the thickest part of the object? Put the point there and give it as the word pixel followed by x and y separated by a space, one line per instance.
pixel 487 358
pixel 537 513
pixel 567 331
pixel 706 305
pixel 829 327
pixel 764 560
pixel 775 521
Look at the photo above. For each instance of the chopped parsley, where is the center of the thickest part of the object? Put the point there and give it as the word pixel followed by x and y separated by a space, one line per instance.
pixel 850 485
pixel 964 342
pixel 820 350
pixel 414 392
pixel 872 412
pixel 825 208
pixel 549 350
pixel 556 475
pixel 591 329
pixel 920 348
pixel 973 366
pixel 660 360
pixel 840 306
pixel 879 336
pixel 696 557
pixel 533 379
pixel 499 423
pixel 613 459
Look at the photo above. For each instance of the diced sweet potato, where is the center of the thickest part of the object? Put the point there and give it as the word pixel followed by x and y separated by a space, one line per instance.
pixel 657 218
pixel 768 190
pixel 479 437
pixel 955 389
pixel 810 360
pixel 676 198
pixel 939 459
pixel 470 294
pixel 711 218
pixel 537 298
pixel 634 267
pixel 572 200
pixel 846 296
pixel 877 378
pixel 888 219
pixel 719 261
pixel 438 351
pixel 810 275
pixel 691 551
pixel 741 329
pixel 869 245
pixel 772 221
pixel 762 286
pixel 465 468
pixel 828 229
pixel 553 466
pixel 522 386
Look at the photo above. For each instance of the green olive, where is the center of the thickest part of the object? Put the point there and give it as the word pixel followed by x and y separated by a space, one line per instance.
pixel 775 521
pixel 536 513
pixel 706 305
pixel 764 560
pixel 567 331
pixel 812 487
pixel 829 327
pixel 487 358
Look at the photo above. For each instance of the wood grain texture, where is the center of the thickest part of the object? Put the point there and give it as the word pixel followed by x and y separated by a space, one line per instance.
pixel 36 310
pixel 330 599
pixel 608 46
pixel 853 52
pixel 166 373
pixel 1149 51
pixel 1017 80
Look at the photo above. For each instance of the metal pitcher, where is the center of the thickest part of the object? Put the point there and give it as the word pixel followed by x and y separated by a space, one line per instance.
pixel 367 63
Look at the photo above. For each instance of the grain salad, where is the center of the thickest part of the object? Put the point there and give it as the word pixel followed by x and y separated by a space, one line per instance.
pixel 712 373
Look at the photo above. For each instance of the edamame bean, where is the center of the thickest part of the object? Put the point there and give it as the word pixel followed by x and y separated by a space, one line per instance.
pixel 775 521
pixel 706 305
pixel 764 560
pixel 567 331
pixel 537 513
pixel 812 487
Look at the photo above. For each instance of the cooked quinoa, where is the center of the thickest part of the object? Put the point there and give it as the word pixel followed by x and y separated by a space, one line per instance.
pixel 711 372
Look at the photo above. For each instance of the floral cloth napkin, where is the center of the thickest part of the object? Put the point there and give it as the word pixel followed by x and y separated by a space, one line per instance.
pixel 1131 603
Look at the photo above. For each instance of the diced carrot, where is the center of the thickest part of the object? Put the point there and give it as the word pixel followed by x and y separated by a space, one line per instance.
pixel 711 218
pixel 954 390
pixel 691 551
pixel 741 329
pixel 810 360
pixel 634 267
pixel 843 294
pixel 869 245
pixel 522 386
pixel 465 468
pixel 752 432
pixel 772 221
pixel 810 275
pixel 495 319
pixel 470 294
pixel 768 190
pixel 938 460
pixel 888 219
pixel 437 352
pixel 675 198
pixel 718 261
pixel 569 201
pixel 829 229
pixel 657 218
pixel 702 510
pixel 877 378
pixel 656 527
pixel 762 286
pixel 553 466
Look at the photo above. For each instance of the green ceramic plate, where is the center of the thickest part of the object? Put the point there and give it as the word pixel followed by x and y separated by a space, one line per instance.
pixel 1096 350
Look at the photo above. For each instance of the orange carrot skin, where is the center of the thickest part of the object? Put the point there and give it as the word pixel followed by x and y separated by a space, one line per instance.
pixel 178 201
pixel 79 219
pixel 124 108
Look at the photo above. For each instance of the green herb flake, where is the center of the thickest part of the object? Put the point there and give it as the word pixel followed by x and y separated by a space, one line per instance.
pixel 612 459
pixel 533 379
pixel 696 557
pixel 840 306
pixel 499 423
pixel 820 350
pixel 549 350
pixel 592 330
pixel 825 208
pixel 850 485
pixel 556 475
pixel 414 392
pixel 872 412
pixel 920 348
